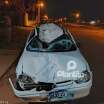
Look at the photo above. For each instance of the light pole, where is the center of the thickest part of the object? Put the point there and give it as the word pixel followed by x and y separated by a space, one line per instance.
pixel 39 6
pixel 77 15
pixel 46 17
pixel 6 2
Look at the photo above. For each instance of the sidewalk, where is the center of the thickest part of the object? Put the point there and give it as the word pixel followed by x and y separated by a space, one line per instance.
pixel 7 57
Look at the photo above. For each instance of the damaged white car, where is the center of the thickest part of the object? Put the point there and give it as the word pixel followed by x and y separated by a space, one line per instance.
pixel 51 67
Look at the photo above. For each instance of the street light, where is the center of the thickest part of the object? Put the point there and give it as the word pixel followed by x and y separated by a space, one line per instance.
pixel 39 6
pixel 46 16
pixel 77 15
pixel 6 2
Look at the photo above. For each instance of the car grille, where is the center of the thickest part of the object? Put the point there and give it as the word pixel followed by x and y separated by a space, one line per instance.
pixel 40 86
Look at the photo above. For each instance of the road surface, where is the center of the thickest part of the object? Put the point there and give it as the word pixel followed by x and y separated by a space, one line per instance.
pixel 92 46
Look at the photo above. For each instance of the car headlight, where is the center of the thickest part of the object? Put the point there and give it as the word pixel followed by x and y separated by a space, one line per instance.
pixel 85 77
pixel 25 79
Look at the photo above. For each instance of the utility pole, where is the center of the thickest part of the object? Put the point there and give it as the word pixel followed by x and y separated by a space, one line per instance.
pixel 39 6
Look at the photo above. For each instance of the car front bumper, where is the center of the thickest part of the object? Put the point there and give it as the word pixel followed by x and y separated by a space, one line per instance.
pixel 42 96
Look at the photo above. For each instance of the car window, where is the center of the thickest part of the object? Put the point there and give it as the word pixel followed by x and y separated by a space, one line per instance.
pixel 60 44
pixel 63 43
pixel 33 45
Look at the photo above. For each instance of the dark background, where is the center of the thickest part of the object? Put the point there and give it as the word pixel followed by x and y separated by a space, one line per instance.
pixel 92 9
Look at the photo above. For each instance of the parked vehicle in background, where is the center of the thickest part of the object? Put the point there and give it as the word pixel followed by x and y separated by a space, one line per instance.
pixel 92 22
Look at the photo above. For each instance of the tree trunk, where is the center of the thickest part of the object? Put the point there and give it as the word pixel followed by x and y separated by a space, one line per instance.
pixel 26 19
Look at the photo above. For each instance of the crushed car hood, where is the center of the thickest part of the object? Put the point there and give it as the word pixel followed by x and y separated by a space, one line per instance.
pixel 43 67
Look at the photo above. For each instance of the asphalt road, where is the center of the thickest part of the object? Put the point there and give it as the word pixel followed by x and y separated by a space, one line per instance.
pixel 92 47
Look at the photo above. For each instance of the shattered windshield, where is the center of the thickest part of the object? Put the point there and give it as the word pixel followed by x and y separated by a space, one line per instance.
pixel 60 44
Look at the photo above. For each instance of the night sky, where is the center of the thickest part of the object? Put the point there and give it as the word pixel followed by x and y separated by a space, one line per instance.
pixel 92 9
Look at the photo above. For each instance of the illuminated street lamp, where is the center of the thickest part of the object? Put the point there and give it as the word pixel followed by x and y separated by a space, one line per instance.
pixel 46 16
pixel 6 2
pixel 77 15
pixel 39 6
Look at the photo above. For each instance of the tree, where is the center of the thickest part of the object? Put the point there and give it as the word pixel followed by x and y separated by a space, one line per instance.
pixel 23 7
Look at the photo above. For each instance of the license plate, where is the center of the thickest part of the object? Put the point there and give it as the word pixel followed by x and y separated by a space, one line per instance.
pixel 58 94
